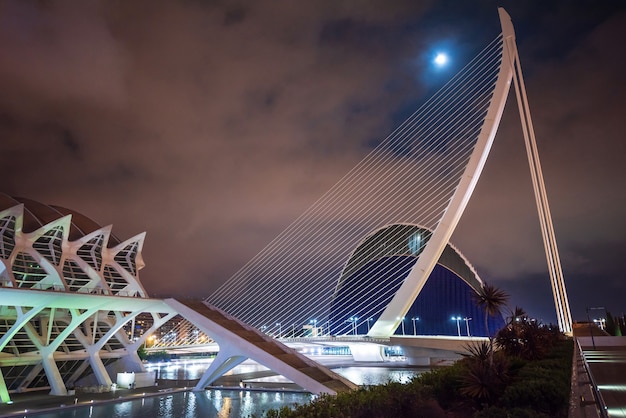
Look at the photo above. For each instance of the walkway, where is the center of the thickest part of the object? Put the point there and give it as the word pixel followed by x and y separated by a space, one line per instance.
pixel 605 358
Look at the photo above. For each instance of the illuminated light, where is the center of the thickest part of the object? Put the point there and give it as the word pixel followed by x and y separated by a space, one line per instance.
pixel 441 59
pixel 616 388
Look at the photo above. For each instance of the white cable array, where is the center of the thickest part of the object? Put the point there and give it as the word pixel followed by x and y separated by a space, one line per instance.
pixel 409 177
pixel 181 333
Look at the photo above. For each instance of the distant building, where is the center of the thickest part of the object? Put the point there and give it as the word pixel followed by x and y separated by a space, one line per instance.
pixel 378 266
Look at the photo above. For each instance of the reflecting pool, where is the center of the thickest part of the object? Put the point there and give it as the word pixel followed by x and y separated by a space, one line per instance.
pixel 209 404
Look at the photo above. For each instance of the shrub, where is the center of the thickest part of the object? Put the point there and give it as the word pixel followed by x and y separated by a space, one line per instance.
pixel 444 383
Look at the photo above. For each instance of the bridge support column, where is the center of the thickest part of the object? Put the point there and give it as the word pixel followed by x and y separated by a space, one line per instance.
pixel 57 387
pixel 224 361
pixel 102 376
pixel 428 357
pixel 4 392
pixel 367 352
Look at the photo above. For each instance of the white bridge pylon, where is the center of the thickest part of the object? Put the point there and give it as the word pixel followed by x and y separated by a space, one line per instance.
pixel 510 69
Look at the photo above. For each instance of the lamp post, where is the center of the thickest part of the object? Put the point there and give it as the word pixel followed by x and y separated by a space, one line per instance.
pixel 314 329
pixel 280 330
pixel 368 324
pixel 593 341
pixel 414 327
pixel 467 324
pixel 353 320
pixel 458 323
pixel 601 323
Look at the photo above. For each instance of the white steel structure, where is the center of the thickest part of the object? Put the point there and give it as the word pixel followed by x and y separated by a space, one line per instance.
pixel 67 301
pixel 423 173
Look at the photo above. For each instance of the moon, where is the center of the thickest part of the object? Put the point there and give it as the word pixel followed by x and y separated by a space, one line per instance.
pixel 441 59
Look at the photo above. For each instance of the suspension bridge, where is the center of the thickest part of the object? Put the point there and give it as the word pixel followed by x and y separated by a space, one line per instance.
pixel 370 255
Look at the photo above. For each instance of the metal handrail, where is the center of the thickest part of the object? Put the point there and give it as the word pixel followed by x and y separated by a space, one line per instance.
pixel 601 404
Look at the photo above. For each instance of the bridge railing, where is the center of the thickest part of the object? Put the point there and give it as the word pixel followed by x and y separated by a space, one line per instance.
pixel 601 404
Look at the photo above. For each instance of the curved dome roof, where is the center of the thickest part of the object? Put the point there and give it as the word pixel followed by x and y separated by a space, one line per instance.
pixel 37 214
pixel 406 240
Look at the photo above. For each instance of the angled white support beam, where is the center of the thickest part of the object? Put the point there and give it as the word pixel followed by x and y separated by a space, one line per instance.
pixel 22 319
pixel 226 360
pixel 244 342
pixel 102 376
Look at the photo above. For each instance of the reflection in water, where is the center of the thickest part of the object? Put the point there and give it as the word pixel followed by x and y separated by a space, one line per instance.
pixel 208 404
pixel 368 376
pixel 223 403
pixel 193 369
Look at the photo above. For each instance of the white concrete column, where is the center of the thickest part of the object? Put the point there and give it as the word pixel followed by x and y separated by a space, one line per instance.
pixel 4 392
pixel 99 370
pixel 57 387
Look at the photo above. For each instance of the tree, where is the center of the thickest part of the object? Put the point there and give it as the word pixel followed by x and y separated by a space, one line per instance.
pixel 491 300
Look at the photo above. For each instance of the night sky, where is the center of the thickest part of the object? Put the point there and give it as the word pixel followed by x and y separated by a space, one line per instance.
pixel 212 125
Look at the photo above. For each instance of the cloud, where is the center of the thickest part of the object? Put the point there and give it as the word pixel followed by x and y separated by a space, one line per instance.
pixel 213 125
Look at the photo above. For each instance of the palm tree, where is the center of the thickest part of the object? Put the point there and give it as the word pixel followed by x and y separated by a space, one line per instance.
pixel 517 315
pixel 491 300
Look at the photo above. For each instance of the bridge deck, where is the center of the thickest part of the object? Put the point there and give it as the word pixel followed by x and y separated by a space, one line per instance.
pixel 247 341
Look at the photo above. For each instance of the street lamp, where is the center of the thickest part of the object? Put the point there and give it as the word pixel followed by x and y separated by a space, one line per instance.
pixel 314 330
pixel 458 326
pixel 601 323
pixel 467 324
pixel 353 319
pixel 593 341
pixel 414 327
pixel 280 330
pixel 368 324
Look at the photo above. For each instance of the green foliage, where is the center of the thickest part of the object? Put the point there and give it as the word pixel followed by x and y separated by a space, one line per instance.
pixel 141 352
pixel 542 385
pixel 390 400
pixel 444 383
pixel 158 356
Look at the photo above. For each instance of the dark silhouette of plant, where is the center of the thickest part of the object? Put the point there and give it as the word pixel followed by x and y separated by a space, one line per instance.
pixel 612 325
pixel 479 350
pixel 491 300
pixel 526 338
pixel 518 314
pixel 486 375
